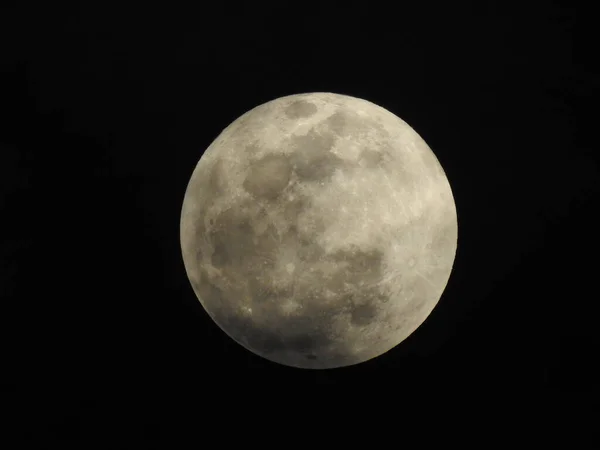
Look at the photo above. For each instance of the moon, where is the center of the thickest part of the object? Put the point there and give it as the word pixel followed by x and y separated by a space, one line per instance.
pixel 318 230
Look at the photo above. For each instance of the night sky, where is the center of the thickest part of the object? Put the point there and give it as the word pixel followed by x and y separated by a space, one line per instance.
pixel 105 112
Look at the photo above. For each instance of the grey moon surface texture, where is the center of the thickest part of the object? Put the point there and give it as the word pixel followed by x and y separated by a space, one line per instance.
pixel 318 230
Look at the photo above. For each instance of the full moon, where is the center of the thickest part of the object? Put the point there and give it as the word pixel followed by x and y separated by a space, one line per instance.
pixel 318 230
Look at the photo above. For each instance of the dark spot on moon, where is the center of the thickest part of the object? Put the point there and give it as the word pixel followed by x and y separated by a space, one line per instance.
pixel 220 256
pixel 268 176
pixel 363 314
pixel 336 122
pixel 300 109
pixel 313 357
pixel 312 157
pixel 371 158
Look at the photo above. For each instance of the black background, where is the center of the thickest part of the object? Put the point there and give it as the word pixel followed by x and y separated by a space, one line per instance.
pixel 106 111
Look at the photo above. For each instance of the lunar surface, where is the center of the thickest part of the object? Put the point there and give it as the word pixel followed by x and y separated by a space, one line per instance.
pixel 318 230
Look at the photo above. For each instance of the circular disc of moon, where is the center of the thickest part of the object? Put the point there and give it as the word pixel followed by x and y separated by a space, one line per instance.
pixel 318 230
